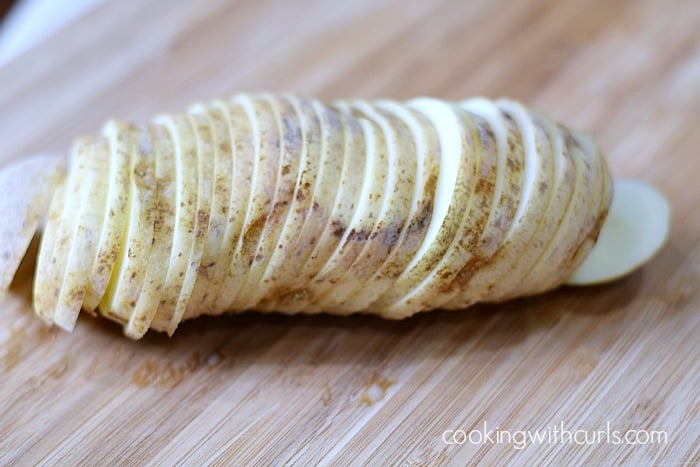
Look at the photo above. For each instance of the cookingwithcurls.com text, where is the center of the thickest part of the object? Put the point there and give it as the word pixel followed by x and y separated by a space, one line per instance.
pixel 556 434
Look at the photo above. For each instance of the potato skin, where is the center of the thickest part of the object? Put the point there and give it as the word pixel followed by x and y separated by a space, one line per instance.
pixel 314 207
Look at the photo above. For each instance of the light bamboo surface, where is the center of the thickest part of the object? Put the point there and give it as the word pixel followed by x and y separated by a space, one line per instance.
pixel 271 389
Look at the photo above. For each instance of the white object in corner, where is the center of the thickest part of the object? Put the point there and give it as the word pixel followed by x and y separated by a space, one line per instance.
pixel 31 21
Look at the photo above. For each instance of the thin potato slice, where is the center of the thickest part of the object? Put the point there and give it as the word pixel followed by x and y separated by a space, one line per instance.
pixel 377 265
pixel 45 262
pixel 325 191
pixel 233 126
pixel 129 273
pixel 163 228
pixel 425 144
pixel 282 183
pixel 433 289
pixel 23 203
pixel 205 174
pixel 114 217
pixel 564 187
pixel 219 156
pixel 243 146
pixel 184 141
pixel 522 241
pixel 511 153
pixel 573 229
pixel 273 238
pixel 506 194
pixel 287 261
pixel 357 233
pixel 49 277
pixel 636 227
pixel 81 251
pixel 266 158
pixel 598 213
pixel 347 165
pixel 455 185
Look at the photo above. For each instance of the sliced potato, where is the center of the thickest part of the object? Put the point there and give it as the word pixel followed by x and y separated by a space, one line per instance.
pixel 163 228
pixel 538 176
pixel 114 217
pixel 467 285
pixel 44 285
pixel 81 250
pixel 243 146
pixel 384 259
pixel 266 160
pixel 288 260
pixel 455 185
pixel 184 141
pixel 199 231
pixel 426 147
pixel 564 187
pixel 220 157
pixel 282 183
pixel 129 273
pixel 51 271
pixel 23 203
pixel 357 233
pixel 573 228
pixel 478 186
pixel 272 243
pixel 592 225
pixel 636 228
pixel 347 164
pixel 511 153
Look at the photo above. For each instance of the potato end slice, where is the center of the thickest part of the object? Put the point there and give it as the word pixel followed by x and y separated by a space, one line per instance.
pixel 26 189
pixel 636 228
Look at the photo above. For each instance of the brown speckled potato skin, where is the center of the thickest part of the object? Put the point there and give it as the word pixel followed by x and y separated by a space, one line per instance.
pixel 286 204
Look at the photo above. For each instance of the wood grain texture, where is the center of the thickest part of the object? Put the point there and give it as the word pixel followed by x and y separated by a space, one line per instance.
pixel 272 389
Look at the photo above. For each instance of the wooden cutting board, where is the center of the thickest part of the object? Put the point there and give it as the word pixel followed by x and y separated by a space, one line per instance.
pixel 271 389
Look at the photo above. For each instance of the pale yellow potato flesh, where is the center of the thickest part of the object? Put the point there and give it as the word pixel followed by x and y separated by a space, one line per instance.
pixel 130 270
pixel 387 256
pixel 264 179
pixel 272 219
pixel 212 267
pixel 635 229
pixel 81 249
pixel 348 171
pixel 184 141
pixel 284 208
pixel 163 227
pixel 199 226
pixel 596 216
pixel 456 183
pixel 26 189
pixel 505 200
pixel 566 186
pixel 119 147
pixel 243 156
pixel 296 244
pixel 356 234
pixel 571 231
pixel 511 155
pixel 435 288
pixel 53 253
pixel 396 197
pixel 324 194
pixel 530 217
pixel 43 288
